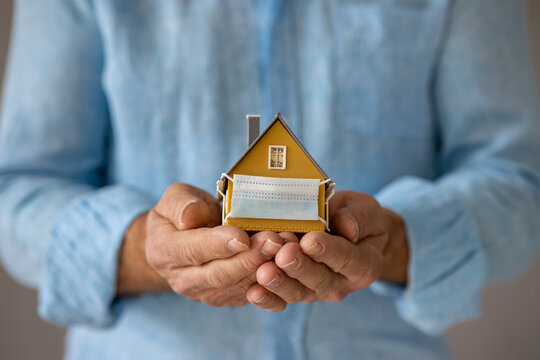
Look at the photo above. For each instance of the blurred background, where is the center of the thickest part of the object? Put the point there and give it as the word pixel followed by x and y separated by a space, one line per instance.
pixel 509 327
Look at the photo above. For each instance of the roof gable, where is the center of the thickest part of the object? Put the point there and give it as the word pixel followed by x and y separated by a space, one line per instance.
pixel 279 119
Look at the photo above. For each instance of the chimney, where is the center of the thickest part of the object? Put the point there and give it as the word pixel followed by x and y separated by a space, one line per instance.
pixel 253 128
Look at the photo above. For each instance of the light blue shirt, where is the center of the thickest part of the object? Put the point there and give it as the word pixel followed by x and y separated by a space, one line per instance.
pixel 428 105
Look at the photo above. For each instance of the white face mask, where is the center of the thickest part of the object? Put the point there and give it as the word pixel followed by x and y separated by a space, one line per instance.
pixel 275 198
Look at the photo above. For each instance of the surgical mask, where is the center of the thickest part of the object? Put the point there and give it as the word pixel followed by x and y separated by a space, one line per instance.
pixel 275 198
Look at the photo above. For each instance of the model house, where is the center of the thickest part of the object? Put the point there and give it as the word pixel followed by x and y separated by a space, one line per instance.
pixel 275 185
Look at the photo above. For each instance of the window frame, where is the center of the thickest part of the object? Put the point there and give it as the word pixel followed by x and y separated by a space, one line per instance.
pixel 284 148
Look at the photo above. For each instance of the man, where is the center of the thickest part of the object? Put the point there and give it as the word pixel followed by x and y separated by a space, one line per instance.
pixel 118 117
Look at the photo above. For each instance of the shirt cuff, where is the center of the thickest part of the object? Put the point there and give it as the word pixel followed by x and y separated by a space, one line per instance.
pixel 447 266
pixel 79 279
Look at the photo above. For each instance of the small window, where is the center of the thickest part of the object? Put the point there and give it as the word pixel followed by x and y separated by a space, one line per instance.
pixel 277 157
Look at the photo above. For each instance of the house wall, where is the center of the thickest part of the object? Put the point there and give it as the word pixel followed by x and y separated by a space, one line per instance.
pixel 298 165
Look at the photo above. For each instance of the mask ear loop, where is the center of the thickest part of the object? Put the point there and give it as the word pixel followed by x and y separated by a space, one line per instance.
pixel 325 181
pixel 324 222
pixel 223 206
pixel 327 205
pixel 223 209
pixel 227 176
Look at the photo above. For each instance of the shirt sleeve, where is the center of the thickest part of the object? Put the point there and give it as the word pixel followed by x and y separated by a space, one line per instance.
pixel 478 221
pixel 61 226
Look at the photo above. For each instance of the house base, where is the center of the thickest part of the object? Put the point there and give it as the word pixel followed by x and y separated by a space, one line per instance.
pixel 276 225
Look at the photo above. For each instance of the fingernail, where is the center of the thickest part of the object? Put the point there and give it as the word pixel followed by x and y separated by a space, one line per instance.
pixel 356 230
pixel 237 245
pixel 270 248
pixel 314 249
pixel 189 203
pixel 262 300
pixel 292 265
pixel 275 281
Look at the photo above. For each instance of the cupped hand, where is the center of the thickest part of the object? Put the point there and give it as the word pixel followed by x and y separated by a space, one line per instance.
pixel 368 242
pixel 198 259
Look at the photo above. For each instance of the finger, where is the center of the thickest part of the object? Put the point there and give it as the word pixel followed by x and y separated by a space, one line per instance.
pixel 188 207
pixel 270 276
pixel 356 216
pixel 171 248
pixel 326 284
pixel 359 263
pixel 224 273
pixel 264 299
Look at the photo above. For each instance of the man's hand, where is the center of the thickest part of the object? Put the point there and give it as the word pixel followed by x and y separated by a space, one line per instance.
pixel 368 243
pixel 188 254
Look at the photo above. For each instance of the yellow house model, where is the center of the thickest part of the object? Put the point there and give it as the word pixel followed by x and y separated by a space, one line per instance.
pixel 275 185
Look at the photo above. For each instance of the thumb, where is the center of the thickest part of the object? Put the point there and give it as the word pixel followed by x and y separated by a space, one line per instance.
pixel 194 213
pixel 343 223
pixel 360 216
pixel 187 207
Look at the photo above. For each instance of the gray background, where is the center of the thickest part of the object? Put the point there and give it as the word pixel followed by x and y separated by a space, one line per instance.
pixel 509 327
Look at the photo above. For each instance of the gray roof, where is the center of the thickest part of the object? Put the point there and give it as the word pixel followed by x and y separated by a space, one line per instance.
pixel 279 118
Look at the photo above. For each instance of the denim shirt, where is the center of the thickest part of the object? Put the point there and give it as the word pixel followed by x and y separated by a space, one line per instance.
pixel 429 105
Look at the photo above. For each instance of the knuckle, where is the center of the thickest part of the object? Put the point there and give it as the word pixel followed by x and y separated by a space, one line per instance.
pixel 297 297
pixel 337 296
pixel 309 299
pixel 219 279
pixel 294 299
pixel 189 252
pixel 180 286
pixel 213 279
pixel 323 283
pixel 247 282
pixel 291 296
pixel 191 259
pixel 302 271
pixel 248 263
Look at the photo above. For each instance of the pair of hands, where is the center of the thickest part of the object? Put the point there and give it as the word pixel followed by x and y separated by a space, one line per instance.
pixel 178 245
